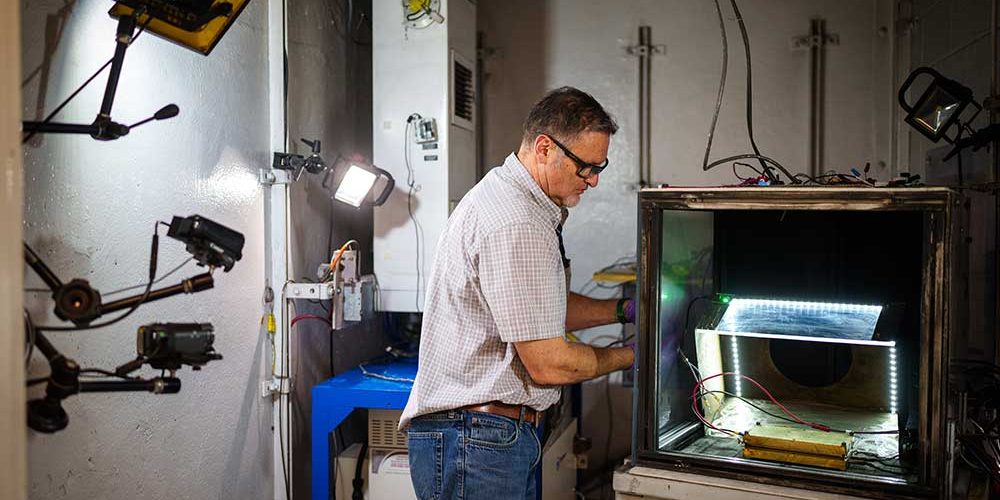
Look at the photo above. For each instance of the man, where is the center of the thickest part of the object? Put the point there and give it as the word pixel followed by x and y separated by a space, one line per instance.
pixel 492 352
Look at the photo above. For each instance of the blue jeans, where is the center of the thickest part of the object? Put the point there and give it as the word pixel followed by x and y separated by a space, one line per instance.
pixel 465 454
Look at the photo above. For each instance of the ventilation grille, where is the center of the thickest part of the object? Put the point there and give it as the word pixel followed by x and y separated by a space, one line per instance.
pixel 382 429
pixel 463 88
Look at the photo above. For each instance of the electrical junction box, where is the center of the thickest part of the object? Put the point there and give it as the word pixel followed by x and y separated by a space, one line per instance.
pixel 359 299
pixel 426 71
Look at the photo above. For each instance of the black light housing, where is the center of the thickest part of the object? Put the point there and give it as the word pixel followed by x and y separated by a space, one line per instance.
pixel 939 107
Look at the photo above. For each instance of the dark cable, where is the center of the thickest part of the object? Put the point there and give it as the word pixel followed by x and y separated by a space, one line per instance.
pixel 722 85
pixel 767 163
pixel 29 328
pixel 958 139
pixel 747 401
pixel 411 184
pixel 357 486
pixel 154 249
pixel 749 99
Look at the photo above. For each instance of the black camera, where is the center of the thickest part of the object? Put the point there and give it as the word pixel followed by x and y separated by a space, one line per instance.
pixel 211 243
pixel 169 346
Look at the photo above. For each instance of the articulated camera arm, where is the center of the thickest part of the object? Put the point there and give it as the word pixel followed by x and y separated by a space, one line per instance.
pixel 47 414
pixel 80 303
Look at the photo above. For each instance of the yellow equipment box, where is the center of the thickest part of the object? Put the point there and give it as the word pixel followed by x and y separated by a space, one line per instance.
pixel 798 445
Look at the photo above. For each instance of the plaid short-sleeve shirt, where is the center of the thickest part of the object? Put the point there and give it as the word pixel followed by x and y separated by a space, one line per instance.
pixel 497 278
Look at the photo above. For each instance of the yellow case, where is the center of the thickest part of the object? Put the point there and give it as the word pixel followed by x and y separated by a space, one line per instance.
pixel 826 462
pixel 799 440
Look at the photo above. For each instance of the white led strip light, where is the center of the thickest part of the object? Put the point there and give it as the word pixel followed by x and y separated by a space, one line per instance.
pixel 734 349
pixel 893 385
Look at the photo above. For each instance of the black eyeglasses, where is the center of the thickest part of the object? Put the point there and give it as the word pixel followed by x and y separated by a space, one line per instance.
pixel 584 170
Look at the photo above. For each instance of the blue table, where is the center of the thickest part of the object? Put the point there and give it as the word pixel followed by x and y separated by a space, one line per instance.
pixel 334 399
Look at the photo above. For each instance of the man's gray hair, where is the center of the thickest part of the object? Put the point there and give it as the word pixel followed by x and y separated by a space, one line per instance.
pixel 565 113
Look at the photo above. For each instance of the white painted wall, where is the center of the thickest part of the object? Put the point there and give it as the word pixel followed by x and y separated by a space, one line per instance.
pixel 13 452
pixel 89 210
pixel 535 46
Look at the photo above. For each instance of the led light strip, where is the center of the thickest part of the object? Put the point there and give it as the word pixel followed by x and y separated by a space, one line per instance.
pixel 893 385
pixel 734 349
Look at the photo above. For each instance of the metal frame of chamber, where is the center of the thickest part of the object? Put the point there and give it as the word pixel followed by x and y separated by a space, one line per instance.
pixel 938 318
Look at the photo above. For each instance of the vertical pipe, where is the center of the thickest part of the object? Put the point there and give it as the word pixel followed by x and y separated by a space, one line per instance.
pixel 644 121
pixel 820 92
pixel 813 62
pixel 817 41
pixel 994 93
pixel 276 249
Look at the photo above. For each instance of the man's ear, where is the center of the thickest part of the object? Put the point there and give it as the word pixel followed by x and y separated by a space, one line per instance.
pixel 543 148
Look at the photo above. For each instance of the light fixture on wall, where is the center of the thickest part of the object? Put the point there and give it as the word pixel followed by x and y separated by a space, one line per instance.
pixel 939 107
pixel 356 185
pixel 939 111
pixel 352 180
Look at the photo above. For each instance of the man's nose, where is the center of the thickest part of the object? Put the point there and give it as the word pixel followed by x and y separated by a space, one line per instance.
pixel 593 180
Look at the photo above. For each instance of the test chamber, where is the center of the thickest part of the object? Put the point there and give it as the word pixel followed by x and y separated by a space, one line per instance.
pixel 798 337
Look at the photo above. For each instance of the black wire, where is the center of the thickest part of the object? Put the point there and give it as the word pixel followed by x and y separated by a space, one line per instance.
pixel 766 162
pixel 29 328
pixel 145 295
pixel 411 183
pixel 958 138
pixel 687 314
pixel 749 98
pixel 106 373
pixel 747 165
pixel 741 398
pixel 619 341
pixel 722 85
pixel 79 89
pixel 36 381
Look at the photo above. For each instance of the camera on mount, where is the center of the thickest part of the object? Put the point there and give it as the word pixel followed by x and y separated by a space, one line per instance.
pixel 211 243
pixel 169 346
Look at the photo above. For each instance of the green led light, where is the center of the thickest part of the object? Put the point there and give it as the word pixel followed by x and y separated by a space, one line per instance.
pixel 725 299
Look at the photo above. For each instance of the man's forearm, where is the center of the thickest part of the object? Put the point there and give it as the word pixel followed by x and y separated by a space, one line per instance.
pixel 586 362
pixel 584 312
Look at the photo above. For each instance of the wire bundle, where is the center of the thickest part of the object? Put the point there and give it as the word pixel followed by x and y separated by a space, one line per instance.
pixel 979 436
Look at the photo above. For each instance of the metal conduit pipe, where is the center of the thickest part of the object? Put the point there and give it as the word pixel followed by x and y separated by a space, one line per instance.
pixel 994 92
pixel 644 98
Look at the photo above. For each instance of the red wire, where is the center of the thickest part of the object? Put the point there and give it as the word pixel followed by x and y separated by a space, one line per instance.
pixel 309 316
pixel 788 412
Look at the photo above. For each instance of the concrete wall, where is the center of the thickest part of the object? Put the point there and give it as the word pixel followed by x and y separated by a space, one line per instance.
pixel 89 210
pixel 533 46
pixel 14 476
